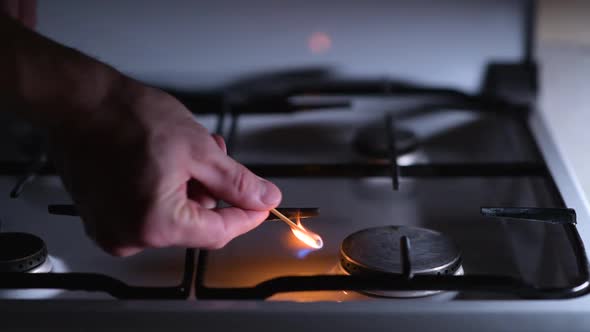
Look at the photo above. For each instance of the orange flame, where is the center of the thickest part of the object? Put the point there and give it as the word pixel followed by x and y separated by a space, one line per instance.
pixel 311 239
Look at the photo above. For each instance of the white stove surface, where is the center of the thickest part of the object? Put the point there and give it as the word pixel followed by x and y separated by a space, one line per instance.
pixel 271 250
pixel 450 205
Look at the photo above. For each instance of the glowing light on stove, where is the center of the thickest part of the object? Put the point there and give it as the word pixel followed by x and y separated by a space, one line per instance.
pixel 53 264
pixel 309 238
pixel 319 42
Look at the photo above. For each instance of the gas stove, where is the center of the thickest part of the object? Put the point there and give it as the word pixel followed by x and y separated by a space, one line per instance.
pixel 441 204
pixel 443 197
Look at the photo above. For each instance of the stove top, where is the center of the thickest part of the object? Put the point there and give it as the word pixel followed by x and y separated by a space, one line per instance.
pixel 434 194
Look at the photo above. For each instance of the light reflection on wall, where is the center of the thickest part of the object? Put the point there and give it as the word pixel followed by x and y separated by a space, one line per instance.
pixel 319 42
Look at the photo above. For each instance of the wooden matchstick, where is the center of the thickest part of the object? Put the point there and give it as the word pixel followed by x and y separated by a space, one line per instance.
pixel 285 219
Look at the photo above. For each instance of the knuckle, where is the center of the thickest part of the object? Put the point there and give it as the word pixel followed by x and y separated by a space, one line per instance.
pixel 152 232
pixel 110 247
pixel 150 238
pixel 242 181
pixel 184 214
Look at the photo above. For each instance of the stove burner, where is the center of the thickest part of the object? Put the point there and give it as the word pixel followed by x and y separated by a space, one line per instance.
pixel 23 252
pixel 376 251
pixel 371 141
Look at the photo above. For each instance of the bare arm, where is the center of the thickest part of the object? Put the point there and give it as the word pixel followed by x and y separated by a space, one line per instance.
pixel 141 170
pixel 43 78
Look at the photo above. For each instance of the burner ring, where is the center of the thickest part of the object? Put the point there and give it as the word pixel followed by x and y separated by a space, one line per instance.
pixel 21 252
pixel 376 251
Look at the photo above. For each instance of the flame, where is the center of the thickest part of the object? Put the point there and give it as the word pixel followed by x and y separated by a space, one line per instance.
pixel 309 238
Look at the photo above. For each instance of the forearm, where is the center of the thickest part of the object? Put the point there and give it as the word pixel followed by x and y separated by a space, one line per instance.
pixel 142 172
pixel 46 81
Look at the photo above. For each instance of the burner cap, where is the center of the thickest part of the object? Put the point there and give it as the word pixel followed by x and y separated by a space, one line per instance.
pixel 21 252
pixel 372 142
pixel 377 251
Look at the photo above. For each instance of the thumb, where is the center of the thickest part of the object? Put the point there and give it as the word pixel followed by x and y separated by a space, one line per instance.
pixel 232 182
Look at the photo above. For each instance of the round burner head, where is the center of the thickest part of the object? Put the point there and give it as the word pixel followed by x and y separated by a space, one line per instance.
pixel 371 141
pixel 21 252
pixel 376 251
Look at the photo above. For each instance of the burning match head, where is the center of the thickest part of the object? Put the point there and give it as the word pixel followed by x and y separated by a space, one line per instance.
pixel 309 238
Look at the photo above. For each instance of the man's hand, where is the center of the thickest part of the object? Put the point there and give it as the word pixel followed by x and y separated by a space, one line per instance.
pixel 145 174
pixel 141 170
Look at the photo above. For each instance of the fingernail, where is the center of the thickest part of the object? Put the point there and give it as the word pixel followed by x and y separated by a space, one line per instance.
pixel 270 195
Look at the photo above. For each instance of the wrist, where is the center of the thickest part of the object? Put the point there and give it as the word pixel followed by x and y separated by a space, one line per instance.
pixel 48 82
pixel 70 89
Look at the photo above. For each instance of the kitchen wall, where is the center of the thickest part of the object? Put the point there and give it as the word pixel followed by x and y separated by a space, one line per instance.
pixel 193 43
